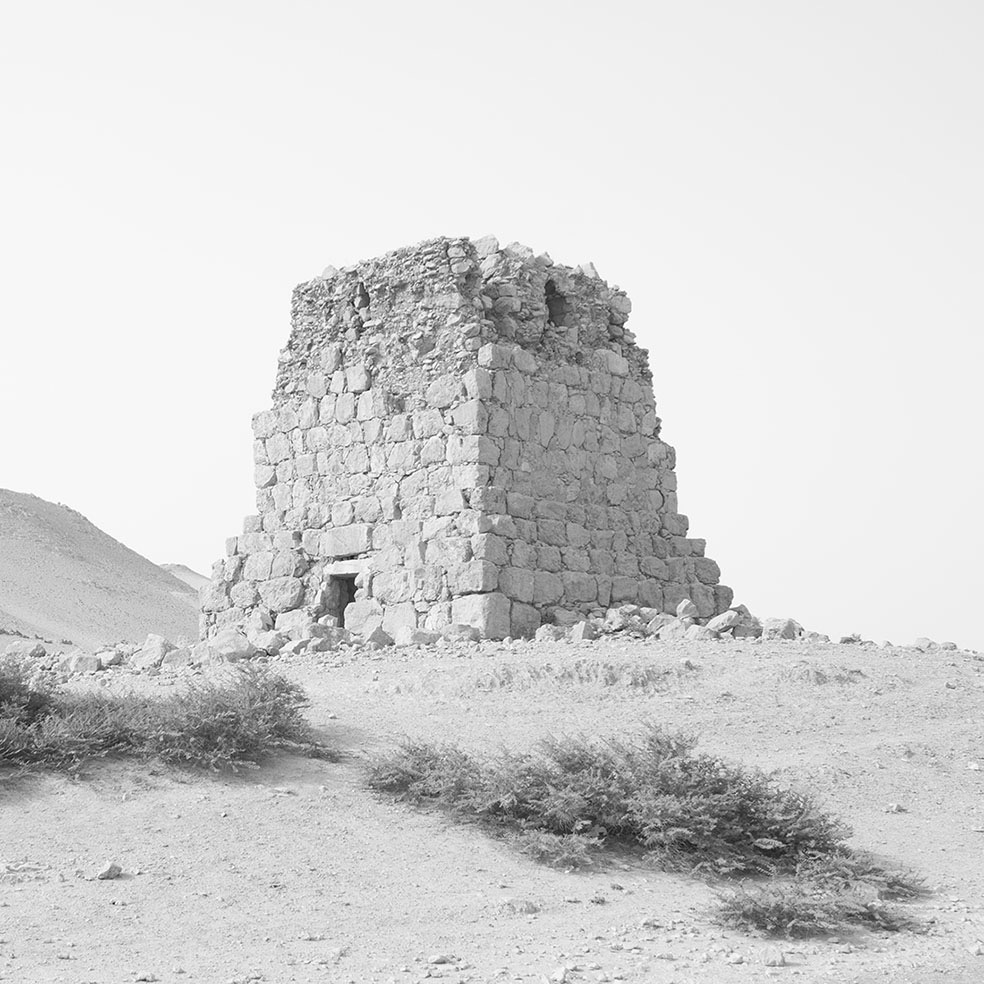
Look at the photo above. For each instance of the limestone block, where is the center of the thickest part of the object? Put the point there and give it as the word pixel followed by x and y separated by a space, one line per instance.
pixel 288 563
pixel 517 583
pixel 488 613
pixel 582 631
pixel 624 589
pixel 362 617
pixel 459 632
pixel 345 408
pixel 524 620
pixel 151 652
pixel 724 621
pixel 478 384
pixel 437 617
pixel 265 424
pixel 473 576
pixel 703 598
pixel 552 532
pixel 576 560
pixel 444 391
pixel 490 499
pixel 243 594
pixel 548 588
pixel 258 565
pixel 707 570
pixel 378 636
pixel 433 451
pixel 397 617
pixel 408 636
pixel 650 594
pixel 346 541
pixel 317 384
pixel 264 476
pixel 471 417
pixel 723 597
pixel 781 628
pixel 579 586
pixel 393 586
pixel 214 596
pixel 357 378
pixel 494 356
pixel 282 593
pixel 231 644
pixel 490 547
pixel 277 448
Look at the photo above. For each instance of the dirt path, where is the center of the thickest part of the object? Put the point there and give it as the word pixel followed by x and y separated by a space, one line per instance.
pixel 295 873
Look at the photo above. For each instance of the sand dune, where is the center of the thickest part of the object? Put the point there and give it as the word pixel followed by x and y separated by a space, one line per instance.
pixel 63 578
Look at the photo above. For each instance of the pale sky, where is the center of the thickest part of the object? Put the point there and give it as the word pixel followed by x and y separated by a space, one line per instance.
pixel 790 192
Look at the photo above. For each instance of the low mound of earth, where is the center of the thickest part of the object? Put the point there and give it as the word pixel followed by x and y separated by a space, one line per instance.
pixel 61 578
pixel 296 873
pixel 183 573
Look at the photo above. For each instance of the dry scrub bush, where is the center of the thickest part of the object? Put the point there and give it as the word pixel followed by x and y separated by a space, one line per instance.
pixel 569 798
pixel 211 724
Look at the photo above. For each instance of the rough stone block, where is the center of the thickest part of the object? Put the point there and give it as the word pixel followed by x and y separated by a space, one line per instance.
pixel 517 583
pixel 282 593
pixel 473 576
pixel 524 620
pixel 362 617
pixel 488 613
pixel 346 541
pixel 401 616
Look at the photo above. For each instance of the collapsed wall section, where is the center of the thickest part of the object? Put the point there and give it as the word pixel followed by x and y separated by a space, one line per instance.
pixel 460 433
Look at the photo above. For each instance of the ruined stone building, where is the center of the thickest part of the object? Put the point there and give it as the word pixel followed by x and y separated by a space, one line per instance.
pixel 461 432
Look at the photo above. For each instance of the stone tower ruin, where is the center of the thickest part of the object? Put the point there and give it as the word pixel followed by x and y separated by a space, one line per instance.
pixel 461 433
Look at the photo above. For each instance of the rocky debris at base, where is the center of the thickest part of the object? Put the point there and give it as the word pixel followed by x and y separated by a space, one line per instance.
pixel 299 632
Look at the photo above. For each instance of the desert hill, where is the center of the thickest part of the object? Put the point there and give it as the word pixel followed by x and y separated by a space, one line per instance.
pixel 184 573
pixel 61 577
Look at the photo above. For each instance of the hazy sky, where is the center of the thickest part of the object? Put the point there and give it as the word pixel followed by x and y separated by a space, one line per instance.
pixel 791 192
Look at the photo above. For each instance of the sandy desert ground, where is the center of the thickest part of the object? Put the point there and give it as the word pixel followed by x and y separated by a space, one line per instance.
pixel 296 873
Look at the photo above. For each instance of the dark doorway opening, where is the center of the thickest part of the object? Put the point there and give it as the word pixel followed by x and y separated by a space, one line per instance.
pixel 341 594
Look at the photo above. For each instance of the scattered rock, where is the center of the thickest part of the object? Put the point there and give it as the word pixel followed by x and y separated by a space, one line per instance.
pixel 151 653
pixel 924 645
pixel 699 632
pixel 378 637
pixel 109 872
pixel 895 808
pixel 724 621
pixel 407 635
pixel 773 957
pixel 458 632
pixel 110 657
pixel 440 958
pixel 269 641
pixel 80 662
pixel 781 628
pixel 548 633
pixel 581 631
pixel 232 644
pixel 25 649
pixel 177 658
pixel 687 609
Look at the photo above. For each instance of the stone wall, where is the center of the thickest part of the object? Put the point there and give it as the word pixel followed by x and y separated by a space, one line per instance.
pixel 461 433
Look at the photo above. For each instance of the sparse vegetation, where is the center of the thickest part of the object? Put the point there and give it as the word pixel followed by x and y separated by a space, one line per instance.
pixel 210 724
pixel 800 907
pixel 570 798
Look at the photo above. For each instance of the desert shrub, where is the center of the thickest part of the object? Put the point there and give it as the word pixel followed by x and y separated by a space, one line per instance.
pixel 24 697
pixel 802 908
pixel 209 724
pixel 690 812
